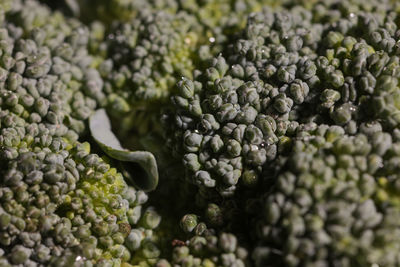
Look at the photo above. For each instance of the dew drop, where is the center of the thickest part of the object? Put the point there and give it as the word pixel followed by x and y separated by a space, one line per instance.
pixel 254 148
pixel 79 258
pixel 264 144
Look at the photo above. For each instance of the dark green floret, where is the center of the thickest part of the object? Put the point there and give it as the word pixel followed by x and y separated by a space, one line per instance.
pixel 330 205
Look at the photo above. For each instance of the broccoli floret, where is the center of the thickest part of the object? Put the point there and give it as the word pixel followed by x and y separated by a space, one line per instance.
pixel 68 200
pixel 146 52
pixel 288 67
pixel 57 199
pixel 289 72
pixel 144 59
pixel 327 208
pixel 230 118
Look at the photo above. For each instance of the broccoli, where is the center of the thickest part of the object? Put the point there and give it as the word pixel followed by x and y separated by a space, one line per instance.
pixel 334 201
pixel 203 247
pixel 147 52
pixel 230 118
pixel 287 68
pixel 59 201
pixel 274 124
pixel 143 60
pixel 333 64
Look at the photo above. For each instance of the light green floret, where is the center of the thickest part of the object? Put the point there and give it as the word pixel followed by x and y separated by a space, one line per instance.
pixel 59 203
pixel 69 202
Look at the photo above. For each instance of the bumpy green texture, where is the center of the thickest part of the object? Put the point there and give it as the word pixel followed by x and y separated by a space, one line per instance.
pixel 110 10
pixel 231 117
pixel 280 145
pixel 311 80
pixel 204 247
pixel 59 203
pixel 144 58
pixel 216 17
pixel 152 44
pixel 330 204
pixel 288 67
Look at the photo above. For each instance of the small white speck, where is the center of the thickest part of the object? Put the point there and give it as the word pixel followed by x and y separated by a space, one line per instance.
pixel 196 131
pixel 352 15
pixel 352 108
pixel 211 39
pixel 254 148
pixel 374 265
pixel 80 258
pixel 263 144
pixel 111 36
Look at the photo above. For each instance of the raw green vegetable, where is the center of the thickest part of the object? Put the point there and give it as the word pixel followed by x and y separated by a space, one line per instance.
pixel 201 133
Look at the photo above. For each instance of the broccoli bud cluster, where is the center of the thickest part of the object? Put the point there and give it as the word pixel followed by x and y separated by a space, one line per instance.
pixel 328 206
pixel 287 68
pixel 143 59
pixel 203 247
pixel 230 119
pixel 58 201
